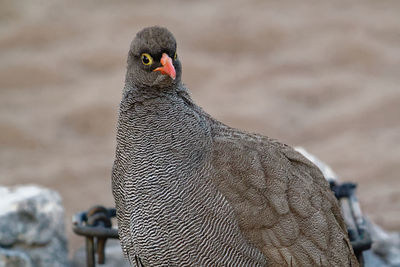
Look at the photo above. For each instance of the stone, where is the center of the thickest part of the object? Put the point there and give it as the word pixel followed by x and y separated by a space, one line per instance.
pixel 385 245
pixel 326 170
pixel 13 258
pixel 32 227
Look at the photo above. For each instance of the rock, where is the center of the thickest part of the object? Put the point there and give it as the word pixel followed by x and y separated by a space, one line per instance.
pixel 385 245
pixel 371 260
pixel 32 227
pixel 13 258
pixel 327 171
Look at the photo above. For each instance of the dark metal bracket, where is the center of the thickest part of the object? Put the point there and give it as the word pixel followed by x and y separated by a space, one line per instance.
pixel 359 236
pixel 95 225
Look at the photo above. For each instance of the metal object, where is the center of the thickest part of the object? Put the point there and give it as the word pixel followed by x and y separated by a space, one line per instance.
pixel 96 226
pixel 359 236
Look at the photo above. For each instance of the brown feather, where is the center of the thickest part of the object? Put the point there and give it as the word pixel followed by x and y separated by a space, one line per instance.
pixel 300 221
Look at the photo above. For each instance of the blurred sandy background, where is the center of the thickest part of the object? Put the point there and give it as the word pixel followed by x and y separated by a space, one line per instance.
pixel 323 75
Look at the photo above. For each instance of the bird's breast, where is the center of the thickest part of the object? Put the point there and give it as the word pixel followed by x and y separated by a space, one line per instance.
pixel 168 207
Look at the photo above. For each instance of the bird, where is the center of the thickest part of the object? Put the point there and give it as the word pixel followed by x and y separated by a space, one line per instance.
pixel 190 190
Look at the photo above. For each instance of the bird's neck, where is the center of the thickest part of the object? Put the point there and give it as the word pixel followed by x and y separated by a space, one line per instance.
pixel 163 127
pixel 133 94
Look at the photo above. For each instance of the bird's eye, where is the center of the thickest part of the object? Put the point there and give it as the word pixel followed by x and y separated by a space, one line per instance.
pixel 175 56
pixel 147 59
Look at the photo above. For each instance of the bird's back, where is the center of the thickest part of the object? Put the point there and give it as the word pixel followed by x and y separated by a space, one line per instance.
pixel 282 202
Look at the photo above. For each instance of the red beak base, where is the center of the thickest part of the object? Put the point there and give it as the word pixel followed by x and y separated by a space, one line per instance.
pixel 167 66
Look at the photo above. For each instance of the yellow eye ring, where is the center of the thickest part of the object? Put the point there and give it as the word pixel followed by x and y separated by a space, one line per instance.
pixel 175 56
pixel 146 59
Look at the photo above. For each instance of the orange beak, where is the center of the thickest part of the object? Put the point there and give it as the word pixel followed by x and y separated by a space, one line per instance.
pixel 167 66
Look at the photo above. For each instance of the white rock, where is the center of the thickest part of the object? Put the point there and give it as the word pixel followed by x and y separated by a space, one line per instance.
pixel 11 258
pixel 32 222
pixel 327 171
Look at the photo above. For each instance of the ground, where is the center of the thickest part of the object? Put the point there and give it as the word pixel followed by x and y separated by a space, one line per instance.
pixel 323 75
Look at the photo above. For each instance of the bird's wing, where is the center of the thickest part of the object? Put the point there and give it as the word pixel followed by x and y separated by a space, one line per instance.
pixel 283 204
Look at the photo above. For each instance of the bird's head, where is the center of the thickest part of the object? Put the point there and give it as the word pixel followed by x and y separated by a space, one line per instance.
pixel 152 60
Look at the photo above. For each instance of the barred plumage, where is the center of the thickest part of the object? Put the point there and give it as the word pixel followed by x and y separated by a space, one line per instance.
pixel 190 191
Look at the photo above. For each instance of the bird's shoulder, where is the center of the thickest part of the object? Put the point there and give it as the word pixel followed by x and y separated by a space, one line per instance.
pixel 282 202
